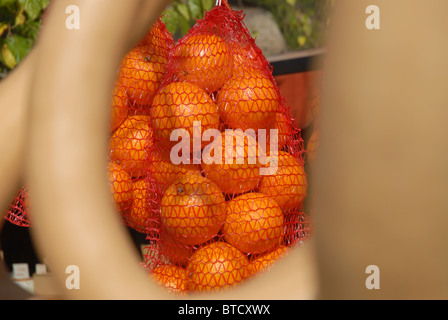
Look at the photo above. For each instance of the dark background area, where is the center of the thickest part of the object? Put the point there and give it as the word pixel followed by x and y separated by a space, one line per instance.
pixel 17 245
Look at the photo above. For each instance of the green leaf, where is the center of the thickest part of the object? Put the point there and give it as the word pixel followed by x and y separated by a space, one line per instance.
pixel 30 29
pixel 3 27
pixel 4 3
pixel 195 9
pixel 306 24
pixel 44 3
pixel 20 18
pixel 207 5
pixel 183 10
pixel 2 61
pixel 8 57
pixel 301 40
pixel 33 7
pixel 184 26
pixel 19 46
pixel 170 18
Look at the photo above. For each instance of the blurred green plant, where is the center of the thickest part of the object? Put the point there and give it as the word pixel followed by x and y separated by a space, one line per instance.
pixel 181 15
pixel 303 23
pixel 19 27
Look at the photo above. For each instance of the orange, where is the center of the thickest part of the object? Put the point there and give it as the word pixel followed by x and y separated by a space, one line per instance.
pixel 142 71
pixel 203 59
pixel 120 186
pixel 232 163
pixel 254 223
pixel 173 278
pixel 312 146
pixel 119 105
pixel 283 124
pixel 130 144
pixel 158 37
pixel 193 209
pixel 177 106
pixel 165 172
pixel 245 57
pixel 175 252
pixel 288 186
pixel 265 261
pixel 142 209
pixel 248 101
pixel 298 226
pixel 216 266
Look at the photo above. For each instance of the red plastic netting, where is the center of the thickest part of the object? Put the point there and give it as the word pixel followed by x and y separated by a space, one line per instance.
pixel 222 205
pixel 17 213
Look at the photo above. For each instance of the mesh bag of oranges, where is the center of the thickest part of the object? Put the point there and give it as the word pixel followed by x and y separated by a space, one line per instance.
pixel 222 177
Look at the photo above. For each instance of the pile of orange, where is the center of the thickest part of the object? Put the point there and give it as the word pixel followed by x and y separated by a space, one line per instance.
pixel 217 218
pixel 131 134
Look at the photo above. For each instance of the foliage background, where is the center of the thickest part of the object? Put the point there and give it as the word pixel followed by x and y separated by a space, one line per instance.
pixel 302 22
pixel 19 26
